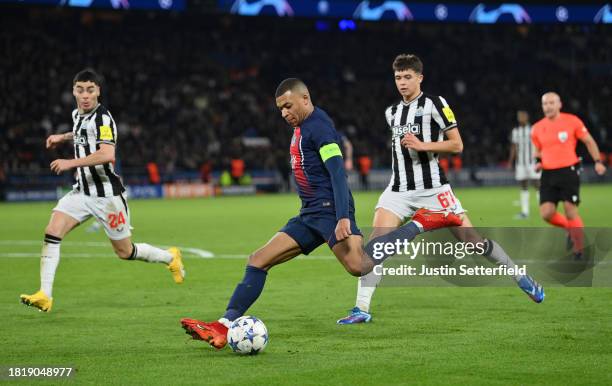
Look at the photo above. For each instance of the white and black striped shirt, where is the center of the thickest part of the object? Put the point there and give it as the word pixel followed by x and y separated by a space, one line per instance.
pixel 89 131
pixel 427 117
pixel 521 137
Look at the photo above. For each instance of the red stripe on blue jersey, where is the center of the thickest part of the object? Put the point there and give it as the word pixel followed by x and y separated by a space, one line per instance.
pixel 297 163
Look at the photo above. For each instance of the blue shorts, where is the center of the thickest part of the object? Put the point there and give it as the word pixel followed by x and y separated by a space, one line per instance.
pixel 313 229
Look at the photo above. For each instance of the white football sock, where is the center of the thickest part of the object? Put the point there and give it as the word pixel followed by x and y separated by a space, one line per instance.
pixel 496 254
pixel 49 260
pixel 525 202
pixel 226 322
pixel 365 290
pixel 146 252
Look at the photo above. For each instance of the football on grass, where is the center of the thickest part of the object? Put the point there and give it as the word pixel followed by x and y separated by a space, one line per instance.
pixel 247 335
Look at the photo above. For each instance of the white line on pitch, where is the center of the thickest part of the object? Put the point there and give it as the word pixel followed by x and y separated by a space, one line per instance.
pixel 111 255
pixel 224 257
pixel 196 251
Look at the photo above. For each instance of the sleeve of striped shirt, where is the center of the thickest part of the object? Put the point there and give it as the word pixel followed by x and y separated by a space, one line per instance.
pixel 105 130
pixel 389 116
pixel 442 114
pixel 514 138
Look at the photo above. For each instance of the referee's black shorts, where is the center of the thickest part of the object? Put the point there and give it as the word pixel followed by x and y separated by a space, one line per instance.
pixel 560 185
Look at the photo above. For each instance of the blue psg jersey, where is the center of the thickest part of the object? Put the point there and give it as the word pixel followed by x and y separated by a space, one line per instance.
pixel 313 181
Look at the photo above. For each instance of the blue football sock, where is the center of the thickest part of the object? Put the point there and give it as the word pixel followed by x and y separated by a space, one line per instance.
pixel 246 292
pixel 376 250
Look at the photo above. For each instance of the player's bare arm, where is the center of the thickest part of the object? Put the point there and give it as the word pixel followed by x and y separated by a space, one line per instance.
pixel 453 144
pixel 104 155
pixel 593 150
pixel 343 229
pixel 56 139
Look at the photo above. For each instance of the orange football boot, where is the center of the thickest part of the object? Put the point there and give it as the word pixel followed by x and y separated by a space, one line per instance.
pixel 214 333
pixel 434 219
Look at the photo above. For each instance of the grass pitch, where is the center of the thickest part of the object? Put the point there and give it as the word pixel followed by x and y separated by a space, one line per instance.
pixel 117 321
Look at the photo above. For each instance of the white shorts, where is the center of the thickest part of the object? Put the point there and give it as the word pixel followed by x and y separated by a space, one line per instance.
pixel 111 212
pixel 405 204
pixel 526 172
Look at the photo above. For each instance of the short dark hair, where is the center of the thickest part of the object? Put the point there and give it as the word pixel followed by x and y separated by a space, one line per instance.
pixel 86 75
pixel 405 62
pixel 289 84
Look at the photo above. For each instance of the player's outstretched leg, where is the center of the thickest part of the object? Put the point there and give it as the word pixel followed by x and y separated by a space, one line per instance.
pixel 424 220
pixel 497 255
pixel 384 222
pixel 279 249
pixel 359 260
pixel 366 285
pixel 172 257
pixel 59 225
pixel 49 261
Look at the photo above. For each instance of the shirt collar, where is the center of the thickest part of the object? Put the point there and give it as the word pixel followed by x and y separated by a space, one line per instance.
pixel 412 101
pixel 91 112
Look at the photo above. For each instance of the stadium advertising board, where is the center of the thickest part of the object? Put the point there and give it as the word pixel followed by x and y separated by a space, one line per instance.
pixel 479 13
pixel 176 5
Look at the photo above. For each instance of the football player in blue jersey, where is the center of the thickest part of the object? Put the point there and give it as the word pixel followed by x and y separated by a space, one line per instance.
pixel 327 214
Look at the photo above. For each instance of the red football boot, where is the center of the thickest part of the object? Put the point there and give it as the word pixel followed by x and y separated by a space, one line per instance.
pixel 214 333
pixel 434 219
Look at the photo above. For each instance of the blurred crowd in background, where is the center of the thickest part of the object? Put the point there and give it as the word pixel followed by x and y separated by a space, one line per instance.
pixel 194 92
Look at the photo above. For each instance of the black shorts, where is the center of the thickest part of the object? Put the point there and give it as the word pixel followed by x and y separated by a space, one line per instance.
pixel 560 185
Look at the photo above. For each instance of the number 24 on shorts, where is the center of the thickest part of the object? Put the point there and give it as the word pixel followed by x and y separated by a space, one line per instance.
pixel 443 199
pixel 114 220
